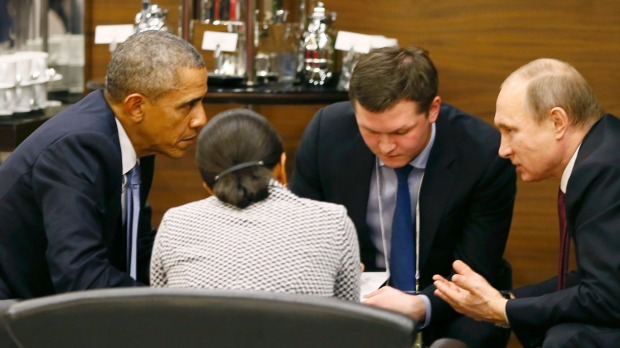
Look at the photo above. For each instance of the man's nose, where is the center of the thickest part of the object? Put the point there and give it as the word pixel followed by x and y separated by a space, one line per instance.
pixel 386 145
pixel 504 148
pixel 200 118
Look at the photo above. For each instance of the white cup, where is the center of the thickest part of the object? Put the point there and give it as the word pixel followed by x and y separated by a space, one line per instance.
pixel 24 98
pixel 7 101
pixel 31 66
pixel 7 70
pixel 22 70
pixel 39 96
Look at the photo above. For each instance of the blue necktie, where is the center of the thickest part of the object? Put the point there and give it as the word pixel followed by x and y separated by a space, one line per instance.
pixel 132 205
pixel 402 259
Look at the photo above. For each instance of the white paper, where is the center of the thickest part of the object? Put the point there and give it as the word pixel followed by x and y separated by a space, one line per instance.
pixel 105 34
pixel 347 41
pixel 227 42
pixel 379 41
pixel 361 43
pixel 371 281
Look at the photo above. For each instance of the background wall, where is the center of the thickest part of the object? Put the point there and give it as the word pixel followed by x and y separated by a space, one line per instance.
pixel 475 45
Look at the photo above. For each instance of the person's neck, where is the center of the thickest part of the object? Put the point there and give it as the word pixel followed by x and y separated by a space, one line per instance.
pixel 131 132
pixel 572 139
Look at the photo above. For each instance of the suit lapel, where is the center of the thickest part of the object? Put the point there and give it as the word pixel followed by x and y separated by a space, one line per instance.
pixel 439 179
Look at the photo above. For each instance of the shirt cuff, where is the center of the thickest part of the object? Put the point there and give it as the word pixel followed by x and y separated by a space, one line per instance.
pixel 427 306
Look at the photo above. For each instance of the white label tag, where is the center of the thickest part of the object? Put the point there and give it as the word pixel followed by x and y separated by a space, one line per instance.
pixel 347 41
pixel 361 43
pixel 105 34
pixel 227 42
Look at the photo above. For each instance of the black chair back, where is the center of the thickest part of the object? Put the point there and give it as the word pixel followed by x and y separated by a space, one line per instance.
pixel 146 317
pixel 5 338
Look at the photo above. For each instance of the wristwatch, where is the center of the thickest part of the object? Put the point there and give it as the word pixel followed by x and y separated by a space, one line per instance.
pixel 509 296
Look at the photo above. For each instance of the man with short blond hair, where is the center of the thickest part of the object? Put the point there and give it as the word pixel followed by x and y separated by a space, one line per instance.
pixel 552 127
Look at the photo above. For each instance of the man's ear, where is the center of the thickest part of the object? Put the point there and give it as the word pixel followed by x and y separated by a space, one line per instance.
pixel 560 121
pixel 433 111
pixel 134 107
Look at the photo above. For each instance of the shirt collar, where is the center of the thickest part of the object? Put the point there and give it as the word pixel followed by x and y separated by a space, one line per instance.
pixel 568 170
pixel 128 153
pixel 420 160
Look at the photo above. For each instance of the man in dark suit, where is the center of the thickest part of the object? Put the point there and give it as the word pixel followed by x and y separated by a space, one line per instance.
pixel 552 127
pixel 63 196
pixel 349 154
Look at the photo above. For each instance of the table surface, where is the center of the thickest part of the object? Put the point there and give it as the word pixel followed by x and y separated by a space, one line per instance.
pixel 275 93
pixel 17 127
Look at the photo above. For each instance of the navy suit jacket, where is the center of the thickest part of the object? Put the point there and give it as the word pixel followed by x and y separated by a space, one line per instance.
pixel 466 198
pixel 593 221
pixel 60 207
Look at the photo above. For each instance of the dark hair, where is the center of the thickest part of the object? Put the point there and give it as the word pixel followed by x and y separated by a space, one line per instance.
pixel 147 63
pixel 235 137
pixel 387 75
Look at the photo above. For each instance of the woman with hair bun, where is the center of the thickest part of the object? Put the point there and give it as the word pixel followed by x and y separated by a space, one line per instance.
pixel 254 234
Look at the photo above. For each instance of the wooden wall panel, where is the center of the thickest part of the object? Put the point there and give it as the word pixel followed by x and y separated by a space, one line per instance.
pixel 475 45
pixel 114 12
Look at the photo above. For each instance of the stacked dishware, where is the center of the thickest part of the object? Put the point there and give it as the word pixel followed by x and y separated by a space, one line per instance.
pixel 7 84
pixel 24 77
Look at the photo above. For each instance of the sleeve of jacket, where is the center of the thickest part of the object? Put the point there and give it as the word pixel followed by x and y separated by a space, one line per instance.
pixel 485 230
pixel 594 216
pixel 73 178
pixel 306 177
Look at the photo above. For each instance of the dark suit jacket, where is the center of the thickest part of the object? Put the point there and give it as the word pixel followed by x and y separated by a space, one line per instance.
pixel 60 207
pixel 466 198
pixel 593 220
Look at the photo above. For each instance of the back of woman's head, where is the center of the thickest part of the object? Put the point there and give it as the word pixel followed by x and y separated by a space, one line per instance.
pixel 236 153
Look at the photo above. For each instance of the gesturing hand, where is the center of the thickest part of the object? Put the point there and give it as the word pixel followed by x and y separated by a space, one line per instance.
pixel 470 294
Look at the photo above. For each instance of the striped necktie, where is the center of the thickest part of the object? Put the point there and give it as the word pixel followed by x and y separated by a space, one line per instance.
pixel 564 242
pixel 132 205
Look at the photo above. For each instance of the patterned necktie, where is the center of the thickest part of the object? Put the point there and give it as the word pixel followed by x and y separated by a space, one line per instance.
pixel 402 259
pixel 564 242
pixel 132 205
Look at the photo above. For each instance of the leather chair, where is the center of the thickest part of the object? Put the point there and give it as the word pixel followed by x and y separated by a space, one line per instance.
pixel 5 337
pixel 147 317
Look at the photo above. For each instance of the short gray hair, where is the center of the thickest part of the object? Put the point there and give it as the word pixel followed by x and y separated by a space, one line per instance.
pixel 147 63
pixel 554 83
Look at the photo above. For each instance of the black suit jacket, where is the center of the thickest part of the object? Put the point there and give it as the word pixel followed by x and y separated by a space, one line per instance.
pixel 466 198
pixel 593 221
pixel 60 207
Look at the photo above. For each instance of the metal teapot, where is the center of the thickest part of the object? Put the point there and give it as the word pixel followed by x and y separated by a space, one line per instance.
pixel 317 48
pixel 152 17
